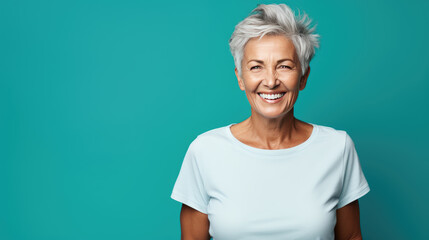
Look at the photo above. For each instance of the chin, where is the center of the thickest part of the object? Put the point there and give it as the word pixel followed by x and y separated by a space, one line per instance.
pixel 273 115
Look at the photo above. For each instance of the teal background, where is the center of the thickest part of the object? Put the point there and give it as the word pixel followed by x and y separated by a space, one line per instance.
pixel 100 99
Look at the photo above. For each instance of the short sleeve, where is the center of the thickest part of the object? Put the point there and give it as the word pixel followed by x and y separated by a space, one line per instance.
pixel 189 187
pixel 354 181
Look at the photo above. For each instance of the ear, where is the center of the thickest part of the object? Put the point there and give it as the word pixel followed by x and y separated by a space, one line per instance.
pixel 304 78
pixel 239 79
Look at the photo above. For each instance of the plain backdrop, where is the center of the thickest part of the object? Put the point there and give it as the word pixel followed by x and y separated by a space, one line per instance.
pixel 99 101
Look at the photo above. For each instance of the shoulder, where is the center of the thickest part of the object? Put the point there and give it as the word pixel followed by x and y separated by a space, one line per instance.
pixel 327 131
pixel 210 139
pixel 333 135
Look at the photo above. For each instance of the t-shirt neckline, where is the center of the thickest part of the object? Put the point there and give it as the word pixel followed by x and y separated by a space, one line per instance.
pixel 273 152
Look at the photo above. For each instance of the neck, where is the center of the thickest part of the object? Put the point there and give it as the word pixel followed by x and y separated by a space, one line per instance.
pixel 272 132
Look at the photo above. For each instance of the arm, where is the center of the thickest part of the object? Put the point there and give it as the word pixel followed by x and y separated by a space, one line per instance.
pixel 348 222
pixel 194 224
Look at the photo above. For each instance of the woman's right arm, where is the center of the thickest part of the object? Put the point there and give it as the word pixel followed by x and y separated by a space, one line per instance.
pixel 194 224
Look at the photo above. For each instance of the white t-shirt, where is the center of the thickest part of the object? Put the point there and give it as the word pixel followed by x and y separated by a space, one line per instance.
pixel 252 194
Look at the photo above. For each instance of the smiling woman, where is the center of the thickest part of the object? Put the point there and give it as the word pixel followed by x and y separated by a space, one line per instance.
pixel 271 75
pixel 271 176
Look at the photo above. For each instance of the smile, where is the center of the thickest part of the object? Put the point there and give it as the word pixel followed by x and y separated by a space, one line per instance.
pixel 271 98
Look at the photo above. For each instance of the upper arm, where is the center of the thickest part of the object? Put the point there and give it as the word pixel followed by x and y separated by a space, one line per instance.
pixel 194 224
pixel 348 222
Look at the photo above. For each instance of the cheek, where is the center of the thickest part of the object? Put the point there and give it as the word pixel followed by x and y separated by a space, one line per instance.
pixel 291 84
pixel 251 84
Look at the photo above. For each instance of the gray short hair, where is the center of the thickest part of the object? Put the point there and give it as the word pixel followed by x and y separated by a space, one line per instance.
pixel 275 19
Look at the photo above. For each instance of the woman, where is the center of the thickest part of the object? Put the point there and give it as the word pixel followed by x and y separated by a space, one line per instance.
pixel 271 176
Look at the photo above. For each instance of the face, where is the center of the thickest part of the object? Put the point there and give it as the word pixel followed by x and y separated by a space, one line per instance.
pixel 271 75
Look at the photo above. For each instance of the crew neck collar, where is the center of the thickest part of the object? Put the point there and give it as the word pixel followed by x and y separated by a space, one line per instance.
pixel 272 152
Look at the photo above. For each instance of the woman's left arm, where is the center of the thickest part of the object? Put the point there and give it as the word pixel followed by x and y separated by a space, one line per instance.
pixel 348 222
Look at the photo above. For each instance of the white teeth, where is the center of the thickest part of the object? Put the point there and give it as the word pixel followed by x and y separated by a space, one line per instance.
pixel 271 96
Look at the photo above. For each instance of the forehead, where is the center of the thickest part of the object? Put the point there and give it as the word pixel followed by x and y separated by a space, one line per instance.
pixel 270 46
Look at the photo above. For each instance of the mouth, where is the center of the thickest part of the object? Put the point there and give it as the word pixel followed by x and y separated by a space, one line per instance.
pixel 272 98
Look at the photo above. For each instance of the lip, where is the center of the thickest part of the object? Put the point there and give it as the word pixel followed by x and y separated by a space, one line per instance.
pixel 272 101
pixel 272 92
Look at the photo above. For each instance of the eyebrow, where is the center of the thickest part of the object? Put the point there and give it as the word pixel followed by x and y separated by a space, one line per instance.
pixel 279 61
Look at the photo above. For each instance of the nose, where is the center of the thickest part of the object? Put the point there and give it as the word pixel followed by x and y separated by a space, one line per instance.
pixel 271 79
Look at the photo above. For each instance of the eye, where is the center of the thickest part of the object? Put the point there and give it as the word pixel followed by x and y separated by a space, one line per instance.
pixel 255 67
pixel 285 67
